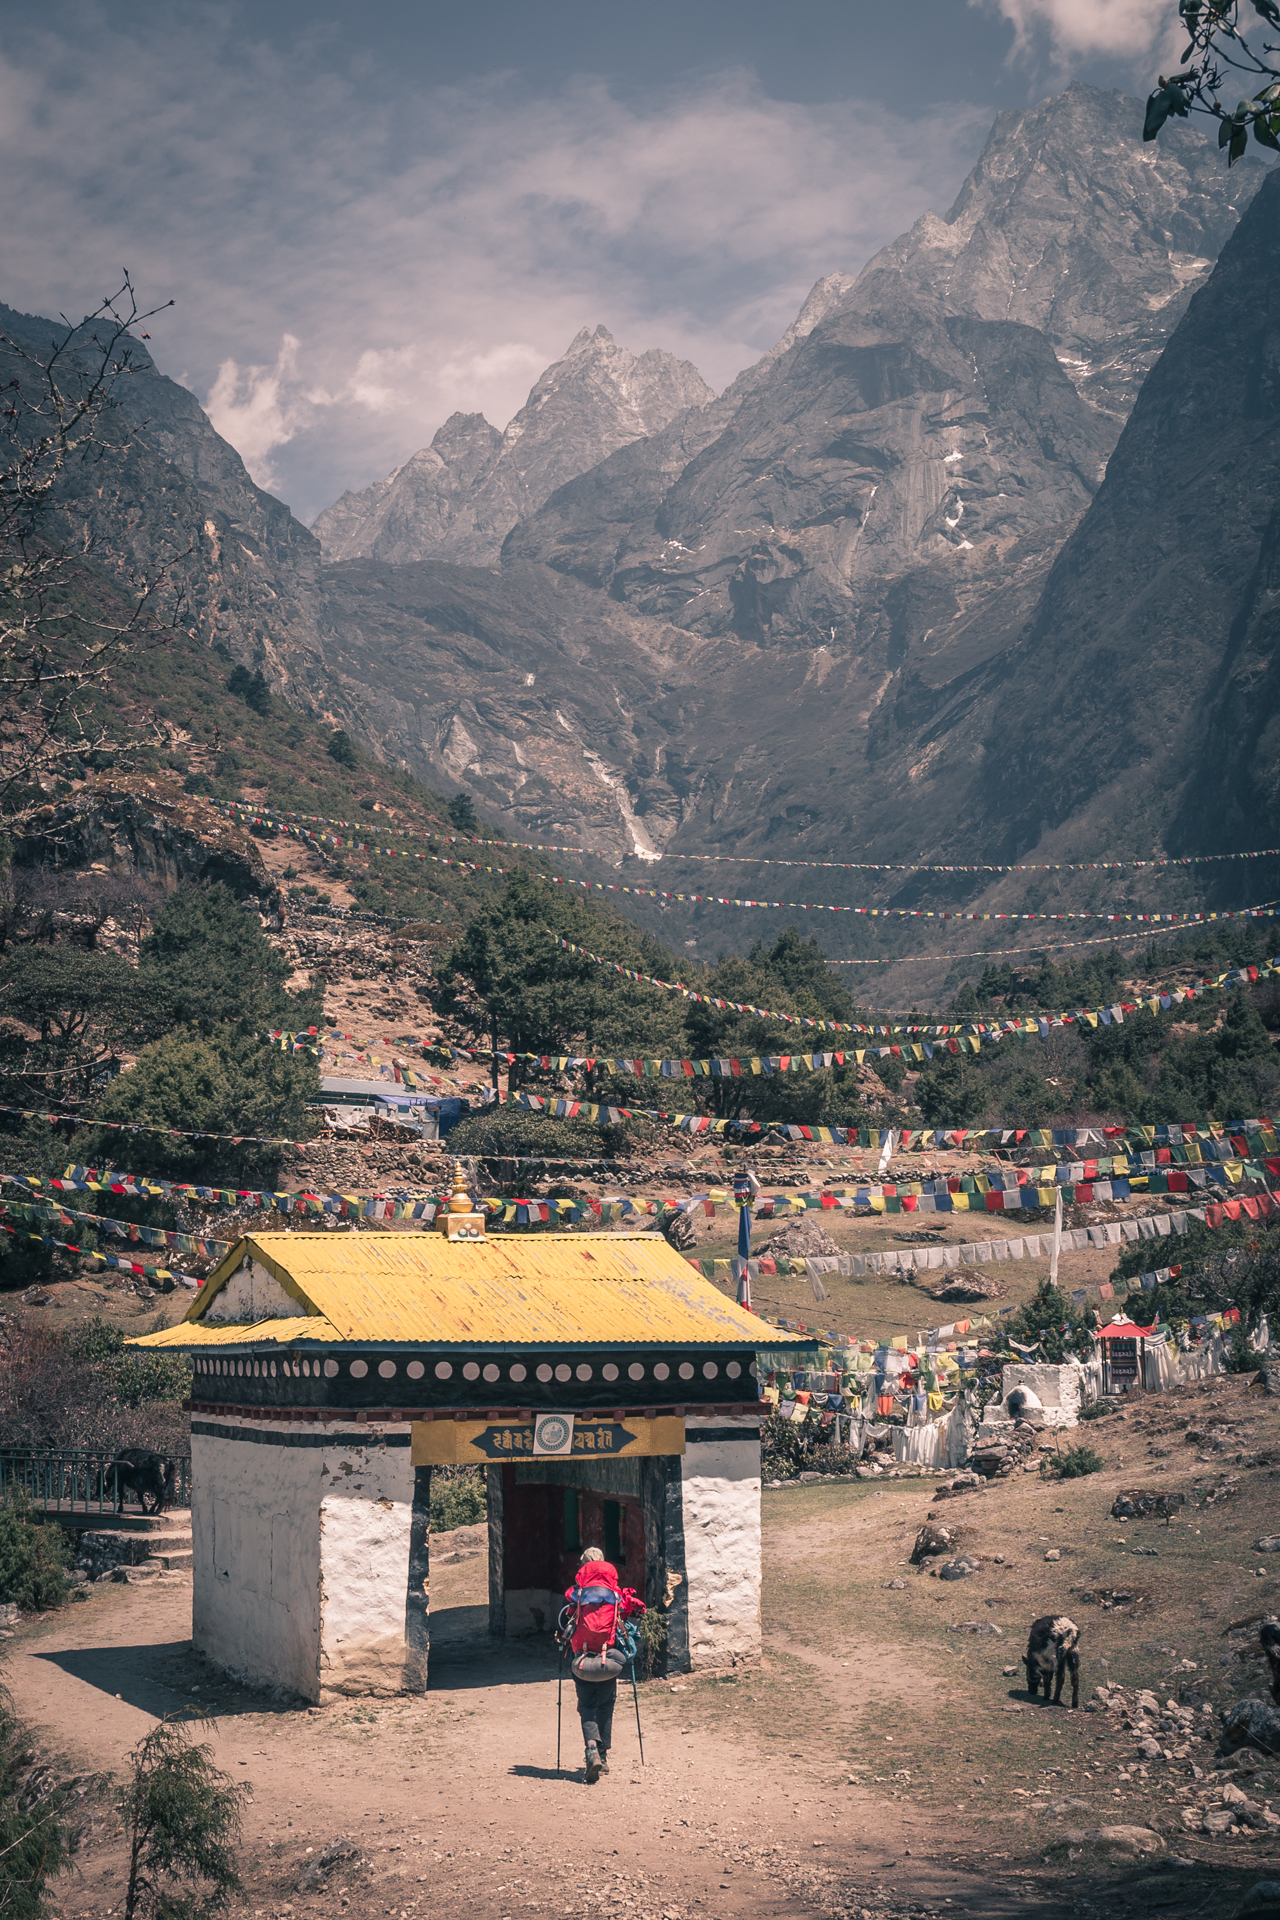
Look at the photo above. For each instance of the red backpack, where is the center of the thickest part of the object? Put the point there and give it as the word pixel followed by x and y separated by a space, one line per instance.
pixel 594 1622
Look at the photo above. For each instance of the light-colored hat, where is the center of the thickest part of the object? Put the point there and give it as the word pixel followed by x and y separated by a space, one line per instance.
pixel 592 1553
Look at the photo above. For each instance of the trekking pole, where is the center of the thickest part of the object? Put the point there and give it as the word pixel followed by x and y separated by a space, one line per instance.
pixel 636 1697
pixel 559 1694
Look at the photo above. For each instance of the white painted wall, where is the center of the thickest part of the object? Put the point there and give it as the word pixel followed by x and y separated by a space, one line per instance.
pixel 366 1510
pixel 301 1560
pixel 256 1565
pixel 253 1294
pixel 720 1482
pixel 1058 1388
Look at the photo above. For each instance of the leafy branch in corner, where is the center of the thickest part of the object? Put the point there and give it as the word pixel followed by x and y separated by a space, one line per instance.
pixel 62 629
pixel 1217 50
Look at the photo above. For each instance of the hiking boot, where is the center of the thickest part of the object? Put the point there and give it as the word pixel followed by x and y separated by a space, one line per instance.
pixel 592 1767
pixel 604 1759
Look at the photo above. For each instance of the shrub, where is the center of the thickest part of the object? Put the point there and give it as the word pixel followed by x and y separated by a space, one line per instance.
pixel 651 1631
pixel 79 1389
pixel 459 1497
pixel 1240 1357
pixel 1078 1461
pixel 229 1084
pixel 134 1377
pixel 33 1559
pixel 343 749
pixel 789 1448
pixel 1052 1318
pixel 208 961
pixel 182 1820
pixel 497 1132
pixel 33 1835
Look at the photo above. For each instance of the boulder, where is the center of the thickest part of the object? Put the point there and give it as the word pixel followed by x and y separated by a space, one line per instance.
pixel 1269 1543
pixel 315 1874
pixel 1134 1503
pixel 933 1538
pixel 960 1568
pixel 1251 1723
pixel 1129 1841
pixel 1262 1902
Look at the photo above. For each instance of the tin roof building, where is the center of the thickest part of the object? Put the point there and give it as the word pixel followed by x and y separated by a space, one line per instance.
pixel 607 1389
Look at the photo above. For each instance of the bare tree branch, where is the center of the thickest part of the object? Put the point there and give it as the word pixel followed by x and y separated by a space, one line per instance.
pixel 61 634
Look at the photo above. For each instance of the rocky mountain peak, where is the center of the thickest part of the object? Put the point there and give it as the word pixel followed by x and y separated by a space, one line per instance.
pixel 1070 224
pixel 584 339
pixel 458 499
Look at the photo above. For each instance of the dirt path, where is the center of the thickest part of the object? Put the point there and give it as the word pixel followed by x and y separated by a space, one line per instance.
pixel 880 1761
pixel 454 1800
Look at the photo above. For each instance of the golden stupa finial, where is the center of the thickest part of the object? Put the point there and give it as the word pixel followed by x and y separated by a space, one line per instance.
pixel 459 1218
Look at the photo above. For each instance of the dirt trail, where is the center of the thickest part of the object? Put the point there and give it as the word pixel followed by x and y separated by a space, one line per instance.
pixel 454 1799
pixel 881 1760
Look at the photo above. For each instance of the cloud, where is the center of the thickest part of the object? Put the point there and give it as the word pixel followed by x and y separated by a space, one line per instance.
pixel 1123 29
pixel 419 252
pixel 258 408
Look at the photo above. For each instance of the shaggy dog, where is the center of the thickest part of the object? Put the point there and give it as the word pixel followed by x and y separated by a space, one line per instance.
pixel 1052 1652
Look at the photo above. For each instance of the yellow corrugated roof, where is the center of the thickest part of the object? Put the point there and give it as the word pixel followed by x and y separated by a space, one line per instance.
pixel 314 1328
pixel 584 1289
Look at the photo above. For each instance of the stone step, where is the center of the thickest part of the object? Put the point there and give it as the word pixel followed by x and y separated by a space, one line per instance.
pixel 120 1550
pixel 174 1557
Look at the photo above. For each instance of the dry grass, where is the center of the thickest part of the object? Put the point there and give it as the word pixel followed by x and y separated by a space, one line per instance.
pixel 880 1307
pixel 869 1685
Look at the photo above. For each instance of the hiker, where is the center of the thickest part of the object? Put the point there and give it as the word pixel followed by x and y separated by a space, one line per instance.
pixel 590 1625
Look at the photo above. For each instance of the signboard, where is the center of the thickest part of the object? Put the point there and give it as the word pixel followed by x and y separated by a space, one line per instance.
pixel 457 1443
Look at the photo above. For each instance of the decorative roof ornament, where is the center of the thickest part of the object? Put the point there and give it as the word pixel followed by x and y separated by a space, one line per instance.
pixel 459 1219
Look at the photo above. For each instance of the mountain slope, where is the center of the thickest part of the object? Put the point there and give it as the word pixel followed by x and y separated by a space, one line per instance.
pixel 1148 677
pixel 458 498
pixel 1067 226
pixel 174 495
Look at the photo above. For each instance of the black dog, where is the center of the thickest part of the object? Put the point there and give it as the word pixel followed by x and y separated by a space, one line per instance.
pixel 148 1475
pixel 1051 1651
pixel 1269 1634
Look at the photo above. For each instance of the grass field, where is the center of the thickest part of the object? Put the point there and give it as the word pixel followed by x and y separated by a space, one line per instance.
pixel 864 1684
pixel 877 1306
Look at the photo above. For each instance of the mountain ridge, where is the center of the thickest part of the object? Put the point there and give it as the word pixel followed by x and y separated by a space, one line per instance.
pixel 909 656
pixel 458 498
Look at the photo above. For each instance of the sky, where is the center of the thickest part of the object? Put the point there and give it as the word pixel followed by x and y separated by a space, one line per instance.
pixel 372 215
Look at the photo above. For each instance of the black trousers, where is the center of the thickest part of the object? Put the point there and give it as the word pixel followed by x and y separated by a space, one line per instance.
pixel 596 1701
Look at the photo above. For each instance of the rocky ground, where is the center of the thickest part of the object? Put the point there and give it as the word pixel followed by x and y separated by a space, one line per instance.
pixel 881 1759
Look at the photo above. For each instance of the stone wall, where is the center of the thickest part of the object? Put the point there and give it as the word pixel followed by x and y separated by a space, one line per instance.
pixel 366 1522
pixel 720 1511
pixel 256 1553
pixel 309 1556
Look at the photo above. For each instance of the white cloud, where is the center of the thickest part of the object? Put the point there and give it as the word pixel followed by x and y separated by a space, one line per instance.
pixel 258 408
pixel 424 252
pixel 1124 29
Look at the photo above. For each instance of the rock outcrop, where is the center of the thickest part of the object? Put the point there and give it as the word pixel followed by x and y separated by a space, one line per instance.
pixel 940 423
pixel 128 823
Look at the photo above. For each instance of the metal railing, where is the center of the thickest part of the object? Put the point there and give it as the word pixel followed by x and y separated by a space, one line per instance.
pixel 67 1480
